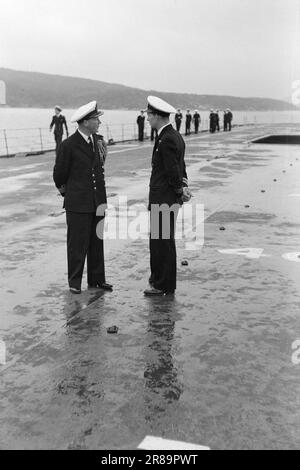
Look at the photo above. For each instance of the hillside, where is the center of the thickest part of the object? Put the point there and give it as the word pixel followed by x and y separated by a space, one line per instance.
pixel 33 89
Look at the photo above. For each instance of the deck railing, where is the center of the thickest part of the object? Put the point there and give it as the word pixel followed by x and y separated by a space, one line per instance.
pixel 38 140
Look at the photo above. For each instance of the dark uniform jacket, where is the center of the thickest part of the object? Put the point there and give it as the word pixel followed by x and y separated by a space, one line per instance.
pixel 178 117
pixel 58 122
pixel 196 117
pixel 140 121
pixel 82 172
pixel 168 168
pixel 188 118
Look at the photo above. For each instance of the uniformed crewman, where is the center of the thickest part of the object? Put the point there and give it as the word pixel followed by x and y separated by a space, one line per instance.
pixel 217 120
pixel 79 175
pixel 212 121
pixel 168 191
pixel 178 119
pixel 153 134
pixel 188 120
pixel 225 121
pixel 229 118
pixel 196 121
pixel 58 121
pixel 141 124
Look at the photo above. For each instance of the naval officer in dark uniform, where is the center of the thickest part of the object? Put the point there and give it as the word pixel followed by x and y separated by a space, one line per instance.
pixel 178 119
pixel 141 125
pixel 196 120
pixel 59 122
pixel 188 121
pixel 79 175
pixel 168 191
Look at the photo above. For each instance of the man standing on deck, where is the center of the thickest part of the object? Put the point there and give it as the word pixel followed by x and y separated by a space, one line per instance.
pixel 58 121
pixel 217 120
pixel 79 175
pixel 141 124
pixel 168 191
pixel 225 121
pixel 196 120
pixel 188 120
pixel 178 119
pixel 212 121
pixel 229 118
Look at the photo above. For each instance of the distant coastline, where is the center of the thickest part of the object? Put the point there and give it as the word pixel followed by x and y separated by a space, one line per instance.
pixel 43 91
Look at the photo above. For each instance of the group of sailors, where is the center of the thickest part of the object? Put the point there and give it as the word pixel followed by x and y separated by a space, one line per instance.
pixel 214 120
pixel 59 122
pixel 191 119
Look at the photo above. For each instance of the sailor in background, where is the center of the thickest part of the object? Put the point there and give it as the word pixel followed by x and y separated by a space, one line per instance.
pixel 196 121
pixel 229 118
pixel 58 121
pixel 168 191
pixel 212 121
pixel 141 125
pixel 178 119
pixel 225 121
pixel 188 121
pixel 79 175
pixel 153 134
pixel 217 120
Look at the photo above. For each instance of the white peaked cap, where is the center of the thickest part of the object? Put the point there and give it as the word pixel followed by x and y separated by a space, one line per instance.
pixel 87 111
pixel 157 104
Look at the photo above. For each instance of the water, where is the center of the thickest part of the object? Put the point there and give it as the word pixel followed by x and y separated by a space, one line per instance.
pixel 27 129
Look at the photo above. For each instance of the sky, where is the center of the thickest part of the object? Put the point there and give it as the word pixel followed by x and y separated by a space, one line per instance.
pixel 224 47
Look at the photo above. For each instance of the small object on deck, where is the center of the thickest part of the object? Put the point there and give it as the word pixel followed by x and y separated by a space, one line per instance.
pixel 56 214
pixel 247 206
pixel 184 262
pixel 112 330
pixel 263 190
pixel 283 171
pixel 275 179
pixel 222 228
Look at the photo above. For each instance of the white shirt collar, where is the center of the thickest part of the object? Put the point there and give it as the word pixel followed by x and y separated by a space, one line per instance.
pixel 160 130
pixel 86 137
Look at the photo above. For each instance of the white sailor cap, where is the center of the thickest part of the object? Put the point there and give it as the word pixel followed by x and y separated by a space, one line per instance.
pixel 87 111
pixel 58 108
pixel 158 106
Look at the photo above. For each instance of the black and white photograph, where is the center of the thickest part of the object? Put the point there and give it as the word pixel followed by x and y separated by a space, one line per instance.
pixel 150 227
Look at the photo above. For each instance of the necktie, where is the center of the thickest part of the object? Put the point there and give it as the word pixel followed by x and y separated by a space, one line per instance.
pixel 91 144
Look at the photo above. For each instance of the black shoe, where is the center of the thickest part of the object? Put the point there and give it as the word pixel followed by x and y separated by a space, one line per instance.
pixel 153 291
pixel 75 290
pixel 104 286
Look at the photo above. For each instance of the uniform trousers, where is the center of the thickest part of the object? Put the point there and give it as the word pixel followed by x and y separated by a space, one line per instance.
pixel 58 139
pixel 83 243
pixel 141 133
pixel 163 251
